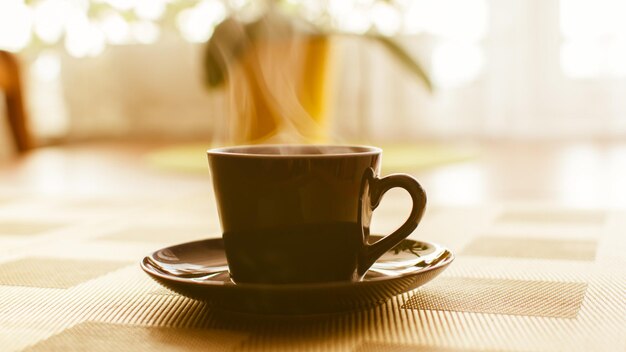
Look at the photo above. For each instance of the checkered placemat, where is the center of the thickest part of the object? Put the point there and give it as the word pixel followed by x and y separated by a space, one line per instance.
pixel 527 277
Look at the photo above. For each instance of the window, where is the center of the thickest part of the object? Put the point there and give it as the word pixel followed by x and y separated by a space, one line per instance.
pixel 594 33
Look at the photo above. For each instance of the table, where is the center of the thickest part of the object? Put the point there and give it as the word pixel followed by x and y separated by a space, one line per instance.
pixel 538 230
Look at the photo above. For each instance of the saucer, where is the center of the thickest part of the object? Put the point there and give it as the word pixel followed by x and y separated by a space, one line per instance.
pixel 199 270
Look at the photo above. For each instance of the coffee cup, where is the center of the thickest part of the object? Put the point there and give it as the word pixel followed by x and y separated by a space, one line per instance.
pixel 294 214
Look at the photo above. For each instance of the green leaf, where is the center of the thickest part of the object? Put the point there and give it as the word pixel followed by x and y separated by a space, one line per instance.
pixel 406 60
pixel 228 43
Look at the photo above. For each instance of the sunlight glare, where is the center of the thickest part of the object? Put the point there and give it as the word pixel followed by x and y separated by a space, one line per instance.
pixel 123 5
pixel 150 9
pixel 15 25
pixel 82 37
pixel 455 63
pixel 386 19
pixel 580 58
pixel 468 21
pixel 49 20
pixel 145 32
pixel 196 24
pixel 116 29
pixel 47 66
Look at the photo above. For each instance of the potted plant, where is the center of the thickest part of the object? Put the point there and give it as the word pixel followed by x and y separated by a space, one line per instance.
pixel 276 68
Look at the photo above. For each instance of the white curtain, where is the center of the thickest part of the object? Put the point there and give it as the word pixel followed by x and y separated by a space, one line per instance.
pixel 521 90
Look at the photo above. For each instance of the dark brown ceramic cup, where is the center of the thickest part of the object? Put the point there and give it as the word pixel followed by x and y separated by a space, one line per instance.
pixel 301 214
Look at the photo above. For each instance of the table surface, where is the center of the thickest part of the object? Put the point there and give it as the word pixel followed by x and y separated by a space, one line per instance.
pixel 538 229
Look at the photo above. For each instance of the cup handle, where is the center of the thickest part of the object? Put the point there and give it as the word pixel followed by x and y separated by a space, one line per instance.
pixel 371 198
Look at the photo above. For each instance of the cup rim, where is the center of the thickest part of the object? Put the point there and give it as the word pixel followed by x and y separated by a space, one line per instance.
pixel 232 151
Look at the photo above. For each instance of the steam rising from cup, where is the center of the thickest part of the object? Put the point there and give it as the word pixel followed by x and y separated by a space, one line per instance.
pixel 276 79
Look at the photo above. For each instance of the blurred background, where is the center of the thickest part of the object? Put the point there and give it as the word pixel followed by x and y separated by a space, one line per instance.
pixel 342 71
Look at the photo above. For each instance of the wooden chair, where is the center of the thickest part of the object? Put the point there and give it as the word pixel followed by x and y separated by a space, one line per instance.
pixel 11 87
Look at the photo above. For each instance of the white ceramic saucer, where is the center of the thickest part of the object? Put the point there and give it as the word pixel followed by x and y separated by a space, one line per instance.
pixel 199 270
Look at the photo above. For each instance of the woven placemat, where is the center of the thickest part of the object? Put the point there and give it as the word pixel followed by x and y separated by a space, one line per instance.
pixel 558 285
